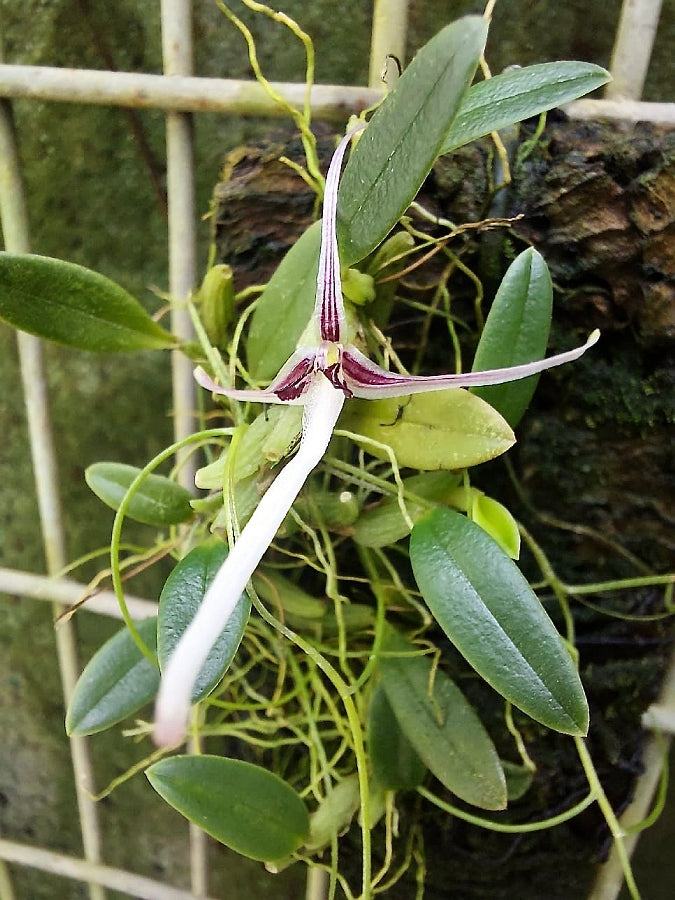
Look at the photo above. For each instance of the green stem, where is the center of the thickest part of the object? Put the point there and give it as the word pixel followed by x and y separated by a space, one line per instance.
pixel 345 695
pixel 115 538
pixel 376 588
pixel 508 828
pixel 607 811
pixel 621 584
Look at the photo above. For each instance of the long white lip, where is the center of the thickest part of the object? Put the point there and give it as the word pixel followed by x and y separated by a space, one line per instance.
pixel 323 404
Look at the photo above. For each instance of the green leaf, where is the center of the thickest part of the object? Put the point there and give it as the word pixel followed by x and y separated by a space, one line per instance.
pixel 384 264
pixel 246 496
pixel 441 725
pixel 518 779
pixel 62 302
pixel 486 607
pixel 396 766
pixel 495 518
pixel 384 524
pixel 335 510
pixel 334 813
pixel 396 152
pixel 518 94
pixel 158 500
pixel 241 805
pixel 179 601
pixel 117 681
pixel 280 593
pixel 354 618
pixel 516 332
pixel 442 430
pixel 285 307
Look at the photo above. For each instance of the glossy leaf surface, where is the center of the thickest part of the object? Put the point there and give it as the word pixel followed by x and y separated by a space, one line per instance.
pixel 179 601
pixel 396 765
pixel 158 501
pixel 243 806
pixel 441 725
pixel 482 601
pixel 446 429
pixel 117 681
pixel 60 301
pixel 516 331
pixel 397 150
pixel 518 94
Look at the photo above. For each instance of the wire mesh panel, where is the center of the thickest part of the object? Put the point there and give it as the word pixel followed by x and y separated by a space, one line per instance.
pixel 180 96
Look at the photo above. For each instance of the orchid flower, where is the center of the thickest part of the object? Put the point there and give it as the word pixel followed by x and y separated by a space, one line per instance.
pixel 320 378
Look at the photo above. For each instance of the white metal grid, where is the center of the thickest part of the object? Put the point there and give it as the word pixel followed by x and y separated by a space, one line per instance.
pixel 179 94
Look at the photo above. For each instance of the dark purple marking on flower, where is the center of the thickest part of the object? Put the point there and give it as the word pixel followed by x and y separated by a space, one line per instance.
pixel 329 305
pixel 295 382
pixel 334 374
pixel 369 381
pixel 364 373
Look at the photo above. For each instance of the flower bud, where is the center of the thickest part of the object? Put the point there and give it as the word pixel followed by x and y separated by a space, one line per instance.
pixel 215 299
pixel 358 287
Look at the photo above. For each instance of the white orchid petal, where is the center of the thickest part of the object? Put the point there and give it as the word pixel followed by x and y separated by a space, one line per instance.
pixel 329 309
pixel 289 386
pixel 368 381
pixel 322 408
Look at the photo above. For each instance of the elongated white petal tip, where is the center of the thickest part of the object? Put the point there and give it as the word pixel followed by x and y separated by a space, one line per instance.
pixel 171 719
pixel 172 711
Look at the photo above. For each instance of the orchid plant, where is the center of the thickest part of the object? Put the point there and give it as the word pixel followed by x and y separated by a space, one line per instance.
pixel 401 722
pixel 320 378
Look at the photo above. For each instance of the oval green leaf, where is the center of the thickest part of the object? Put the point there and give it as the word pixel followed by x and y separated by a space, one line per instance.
pixel 384 524
pixel 396 766
pixel 442 430
pixel 241 805
pixel 284 595
pixel 63 302
pixel 495 518
pixel 158 500
pixel 518 94
pixel 486 607
pixel 284 307
pixel 441 725
pixel 117 681
pixel 396 152
pixel 519 779
pixel 179 601
pixel 516 332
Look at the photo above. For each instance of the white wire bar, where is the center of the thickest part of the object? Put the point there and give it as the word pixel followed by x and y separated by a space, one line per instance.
pixel 622 111
pixel 136 886
pixel 177 56
pixel 177 53
pixel 177 93
pixel 245 98
pixel 388 38
pixel 45 472
pixel 633 45
pixel 660 717
pixel 68 592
